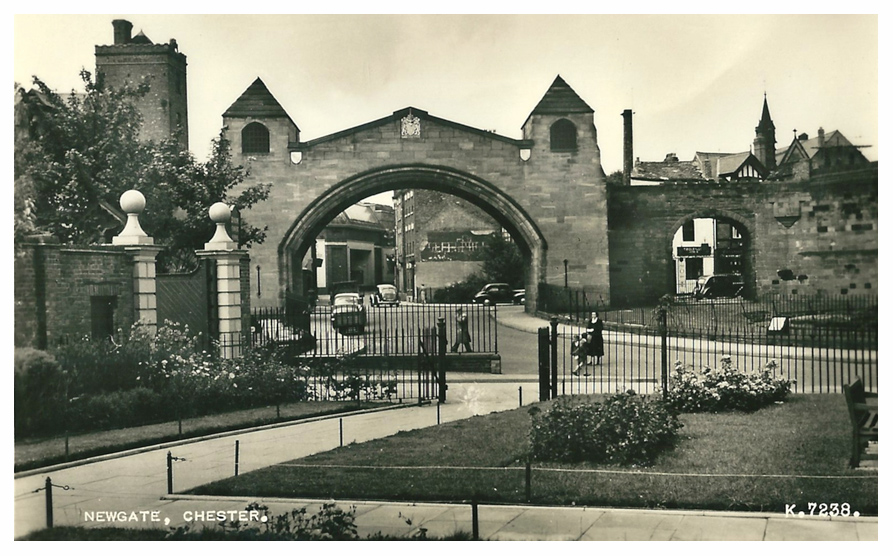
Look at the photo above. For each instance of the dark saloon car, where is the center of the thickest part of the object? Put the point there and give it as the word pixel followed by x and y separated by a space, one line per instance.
pixel 712 286
pixel 385 295
pixel 348 313
pixel 495 293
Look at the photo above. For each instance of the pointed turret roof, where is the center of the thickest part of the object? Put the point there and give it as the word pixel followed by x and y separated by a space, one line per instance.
pixel 561 99
pixel 256 102
pixel 765 119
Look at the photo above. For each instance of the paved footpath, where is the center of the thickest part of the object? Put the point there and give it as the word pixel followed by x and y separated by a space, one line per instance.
pixel 138 483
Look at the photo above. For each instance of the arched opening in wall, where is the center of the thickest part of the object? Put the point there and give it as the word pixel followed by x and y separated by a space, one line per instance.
pixel 711 257
pixel 436 234
pixel 255 139
pixel 563 136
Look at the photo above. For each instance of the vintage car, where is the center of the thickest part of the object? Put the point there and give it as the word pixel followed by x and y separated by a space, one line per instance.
pixel 712 286
pixel 348 313
pixel 385 295
pixel 520 297
pixel 495 293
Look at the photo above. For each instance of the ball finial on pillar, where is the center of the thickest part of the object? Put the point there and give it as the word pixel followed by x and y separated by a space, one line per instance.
pixel 133 203
pixel 220 215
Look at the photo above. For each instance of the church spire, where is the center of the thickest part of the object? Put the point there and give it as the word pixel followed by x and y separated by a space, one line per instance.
pixel 764 141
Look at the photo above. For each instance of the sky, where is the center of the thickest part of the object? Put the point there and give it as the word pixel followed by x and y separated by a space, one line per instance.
pixel 694 82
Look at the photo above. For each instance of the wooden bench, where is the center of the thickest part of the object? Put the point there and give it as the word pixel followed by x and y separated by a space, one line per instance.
pixel 863 411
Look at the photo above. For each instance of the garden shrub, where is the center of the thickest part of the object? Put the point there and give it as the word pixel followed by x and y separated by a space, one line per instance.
pixel 38 391
pixel 725 389
pixel 138 406
pixel 625 429
pixel 330 523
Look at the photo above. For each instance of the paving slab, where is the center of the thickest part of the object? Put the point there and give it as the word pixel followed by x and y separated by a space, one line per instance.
pixel 796 529
pixel 554 524
pixel 704 528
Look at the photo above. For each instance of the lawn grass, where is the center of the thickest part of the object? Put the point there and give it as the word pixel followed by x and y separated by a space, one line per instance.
pixel 32 454
pixel 774 454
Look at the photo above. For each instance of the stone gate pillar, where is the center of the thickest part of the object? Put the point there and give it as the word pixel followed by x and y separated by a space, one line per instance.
pixel 228 258
pixel 143 251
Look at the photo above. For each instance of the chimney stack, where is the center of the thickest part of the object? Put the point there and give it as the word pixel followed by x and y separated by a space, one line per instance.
pixel 627 146
pixel 122 30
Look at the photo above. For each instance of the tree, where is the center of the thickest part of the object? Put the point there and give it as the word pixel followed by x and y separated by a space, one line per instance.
pixel 181 190
pixel 614 178
pixel 82 149
pixel 503 262
pixel 80 153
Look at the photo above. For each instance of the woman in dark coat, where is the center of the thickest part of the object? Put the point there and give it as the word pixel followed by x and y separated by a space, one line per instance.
pixel 596 343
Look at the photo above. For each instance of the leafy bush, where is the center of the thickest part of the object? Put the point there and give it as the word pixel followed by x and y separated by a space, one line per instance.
pixel 39 391
pixel 625 429
pixel 725 389
pixel 138 406
pixel 330 523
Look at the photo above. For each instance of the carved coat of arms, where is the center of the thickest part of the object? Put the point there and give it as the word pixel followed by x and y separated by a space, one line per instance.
pixel 410 126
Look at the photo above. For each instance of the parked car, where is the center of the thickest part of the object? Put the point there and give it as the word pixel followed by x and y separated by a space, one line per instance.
pixel 712 286
pixel 385 295
pixel 520 297
pixel 348 313
pixel 495 293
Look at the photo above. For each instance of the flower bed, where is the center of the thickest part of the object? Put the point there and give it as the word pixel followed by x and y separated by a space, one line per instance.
pixel 725 389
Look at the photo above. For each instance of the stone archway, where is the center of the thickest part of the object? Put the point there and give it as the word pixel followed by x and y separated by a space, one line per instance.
pixel 506 211
pixel 745 229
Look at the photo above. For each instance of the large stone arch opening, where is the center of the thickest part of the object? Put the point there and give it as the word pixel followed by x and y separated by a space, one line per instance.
pixel 728 247
pixel 506 211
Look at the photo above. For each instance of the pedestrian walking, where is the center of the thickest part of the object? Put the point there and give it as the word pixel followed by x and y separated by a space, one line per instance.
pixel 596 342
pixel 462 335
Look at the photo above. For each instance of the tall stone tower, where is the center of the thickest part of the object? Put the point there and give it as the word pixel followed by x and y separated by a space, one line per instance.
pixel 132 60
pixel 764 141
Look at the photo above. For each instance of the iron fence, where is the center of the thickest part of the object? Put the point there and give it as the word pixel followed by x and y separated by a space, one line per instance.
pixel 386 331
pixel 834 319
pixel 818 360
pixel 386 353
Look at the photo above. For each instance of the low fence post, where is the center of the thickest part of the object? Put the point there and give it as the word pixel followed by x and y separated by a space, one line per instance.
pixel 49 502
pixel 170 473
pixel 543 360
pixel 237 458
pixel 475 526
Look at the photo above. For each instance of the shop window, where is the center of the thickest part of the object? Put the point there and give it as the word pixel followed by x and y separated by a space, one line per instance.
pixel 694 268
pixel 563 136
pixel 255 138
pixel 688 231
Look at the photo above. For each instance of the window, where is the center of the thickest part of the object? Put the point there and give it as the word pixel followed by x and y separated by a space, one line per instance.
pixel 688 231
pixel 694 268
pixel 563 136
pixel 102 316
pixel 255 138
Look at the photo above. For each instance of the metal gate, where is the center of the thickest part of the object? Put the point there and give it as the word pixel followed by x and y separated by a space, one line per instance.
pixel 189 299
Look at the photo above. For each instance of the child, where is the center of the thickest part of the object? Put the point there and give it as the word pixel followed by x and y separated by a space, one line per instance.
pixel 580 349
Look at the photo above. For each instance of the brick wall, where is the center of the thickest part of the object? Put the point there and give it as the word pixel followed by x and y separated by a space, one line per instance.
pixel 54 285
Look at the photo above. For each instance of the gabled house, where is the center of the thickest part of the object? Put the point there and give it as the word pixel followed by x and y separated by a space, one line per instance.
pixel 806 157
pixel 730 166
